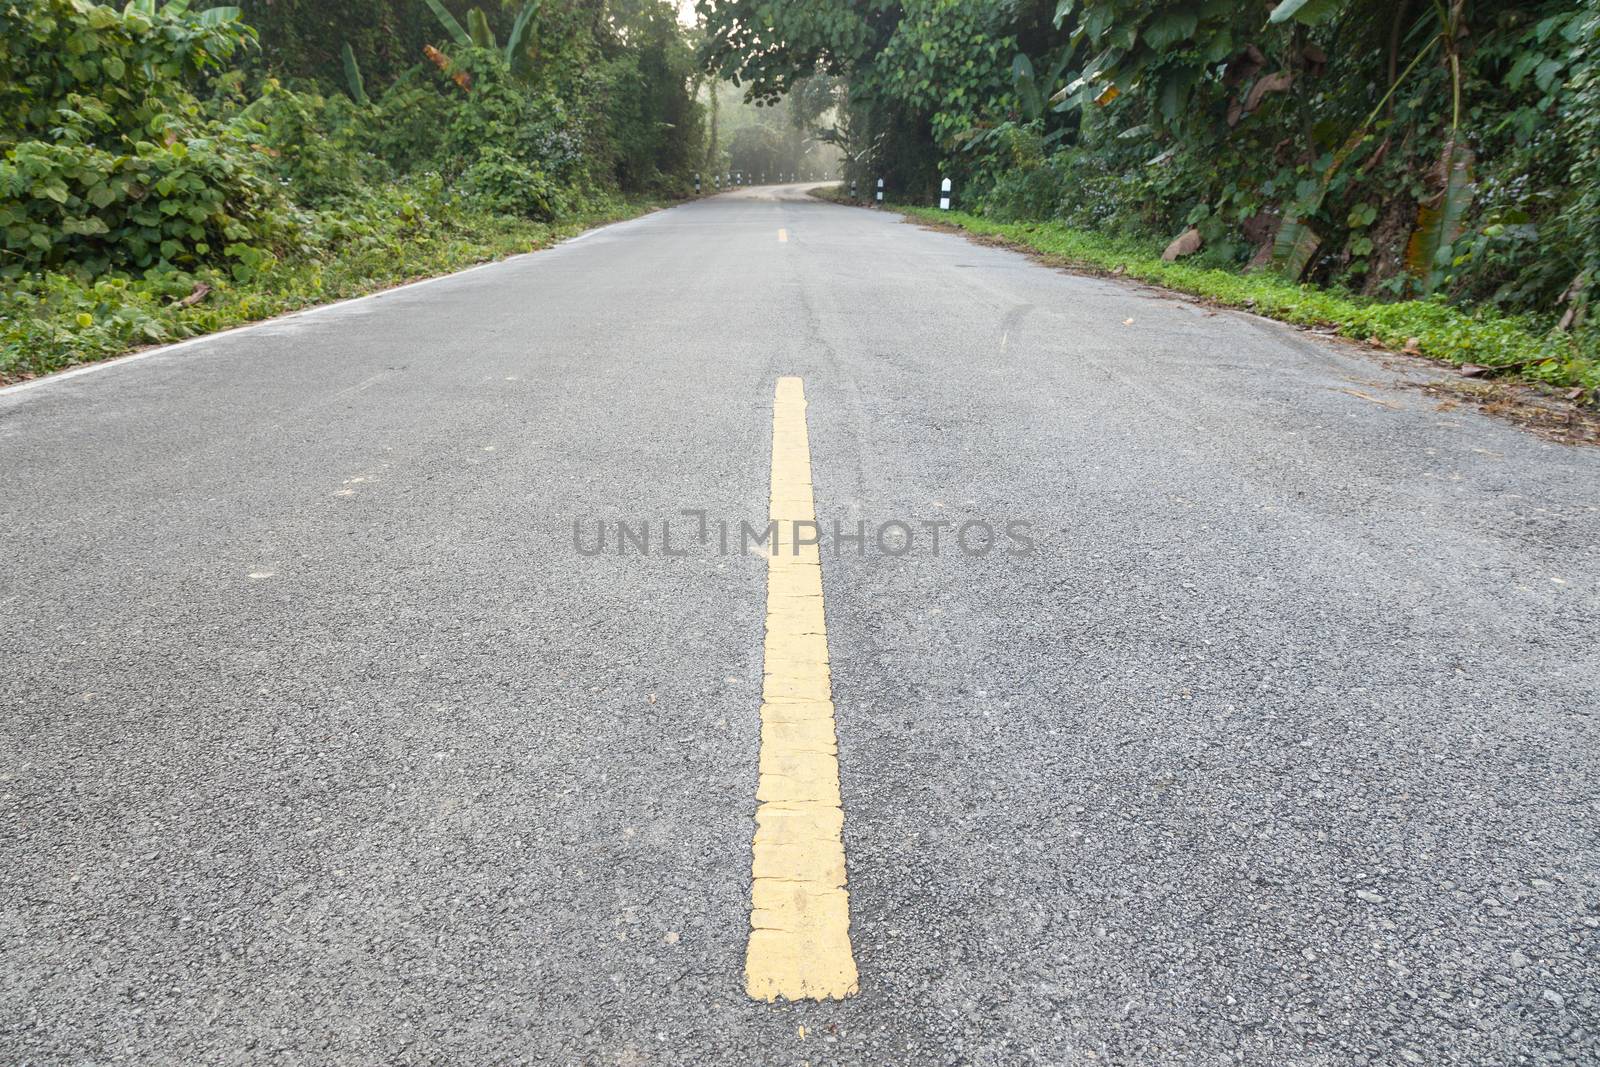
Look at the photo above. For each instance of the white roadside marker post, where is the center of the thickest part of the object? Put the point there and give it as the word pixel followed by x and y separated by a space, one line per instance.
pixel 944 195
pixel 852 188
pixel 880 191
pixel 697 184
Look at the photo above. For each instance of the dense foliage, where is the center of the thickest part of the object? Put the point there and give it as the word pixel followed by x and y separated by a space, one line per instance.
pixel 155 152
pixel 1396 150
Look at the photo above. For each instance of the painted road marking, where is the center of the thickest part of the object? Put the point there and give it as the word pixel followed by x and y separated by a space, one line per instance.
pixel 799 909
pixel 783 236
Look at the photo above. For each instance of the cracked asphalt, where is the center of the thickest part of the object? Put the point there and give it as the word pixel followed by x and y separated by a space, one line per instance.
pixel 325 740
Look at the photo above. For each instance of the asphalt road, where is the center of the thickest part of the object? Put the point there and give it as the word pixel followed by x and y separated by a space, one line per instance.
pixel 323 743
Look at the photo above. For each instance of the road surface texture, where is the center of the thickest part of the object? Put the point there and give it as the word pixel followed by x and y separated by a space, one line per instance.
pixel 323 743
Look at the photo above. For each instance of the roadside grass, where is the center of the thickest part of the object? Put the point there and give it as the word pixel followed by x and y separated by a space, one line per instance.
pixel 54 321
pixel 1501 344
pixel 837 193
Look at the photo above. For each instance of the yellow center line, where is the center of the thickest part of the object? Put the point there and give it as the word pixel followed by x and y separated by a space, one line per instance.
pixel 799 909
pixel 783 236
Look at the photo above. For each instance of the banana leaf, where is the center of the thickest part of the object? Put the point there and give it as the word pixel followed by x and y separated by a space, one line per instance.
pixel 478 26
pixel 1310 12
pixel 448 21
pixel 216 16
pixel 517 56
pixel 1439 220
pixel 1292 248
pixel 352 76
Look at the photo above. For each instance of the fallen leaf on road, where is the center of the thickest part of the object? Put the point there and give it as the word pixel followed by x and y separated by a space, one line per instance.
pixel 1127 322
pixel 1376 400
pixel 1413 346
pixel 1473 370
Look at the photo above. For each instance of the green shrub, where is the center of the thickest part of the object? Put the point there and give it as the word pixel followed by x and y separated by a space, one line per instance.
pixel 318 146
pixel 504 184
pixel 141 164
pixel 194 201
pixel 127 75
pixel 398 232
pixel 110 164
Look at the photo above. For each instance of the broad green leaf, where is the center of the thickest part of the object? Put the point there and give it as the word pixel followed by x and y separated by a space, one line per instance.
pixel 478 26
pixel 517 57
pixel 1309 12
pixel 1520 68
pixel 1175 90
pixel 448 21
pixel 217 16
pixel 1170 28
pixel 1545 77
pixel 1439 220
pixel 352 76
pixel 1293 246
